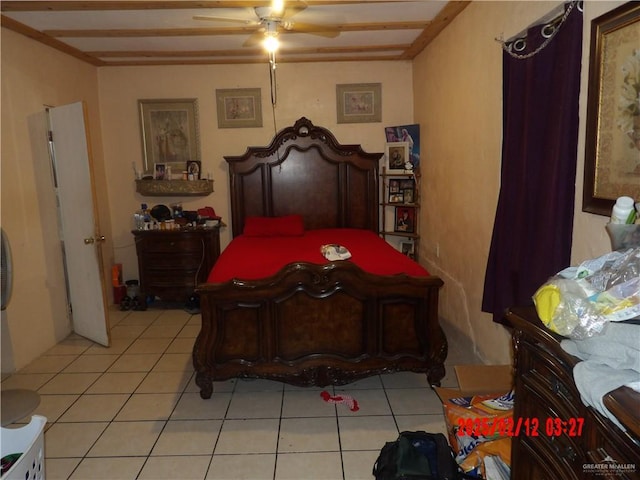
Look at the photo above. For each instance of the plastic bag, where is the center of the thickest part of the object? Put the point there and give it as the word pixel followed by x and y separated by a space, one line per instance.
pixel 579 301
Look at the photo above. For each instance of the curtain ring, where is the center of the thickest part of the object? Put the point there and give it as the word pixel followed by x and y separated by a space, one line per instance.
pixel 548 30
pixel 581 6
pixel 519 45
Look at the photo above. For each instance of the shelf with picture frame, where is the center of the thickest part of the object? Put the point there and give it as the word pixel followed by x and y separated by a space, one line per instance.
pixel 399 209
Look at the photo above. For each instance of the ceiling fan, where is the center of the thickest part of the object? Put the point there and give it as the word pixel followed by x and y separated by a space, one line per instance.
pixel 271 20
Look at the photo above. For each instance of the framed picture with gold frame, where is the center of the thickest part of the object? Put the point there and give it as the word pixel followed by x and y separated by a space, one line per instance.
pixel 359 102
pixel 170 132
pixel 239 107
pixel 612 150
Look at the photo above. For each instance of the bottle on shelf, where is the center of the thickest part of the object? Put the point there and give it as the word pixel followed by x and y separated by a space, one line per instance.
pixel 623 211
pixel 138 218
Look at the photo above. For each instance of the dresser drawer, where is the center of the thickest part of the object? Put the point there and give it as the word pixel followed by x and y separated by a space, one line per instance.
pixel 172 244
pixel 154 261
pixel 540 464
pixel 544 389
pixel 550 375
pixel 568 448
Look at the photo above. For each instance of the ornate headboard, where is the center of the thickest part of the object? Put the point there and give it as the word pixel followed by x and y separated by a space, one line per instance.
pixel 306 171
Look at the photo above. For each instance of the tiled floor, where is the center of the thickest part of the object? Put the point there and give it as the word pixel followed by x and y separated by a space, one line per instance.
pixel 133 411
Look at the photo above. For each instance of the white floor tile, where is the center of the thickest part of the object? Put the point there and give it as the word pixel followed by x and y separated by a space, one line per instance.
pixel 359 464
pixel 309 466
pixel 407 401
pixel 255 405
pixel 248 436
pixel 242 467
pixel 306 403
pixel 188 437
pixel 108 468
pixel 308 435
pixel 127 439
pixel 175 467
pixel 71 439
pixel 148 406
pixel 366 433
pixel 192 407
pixel 91 408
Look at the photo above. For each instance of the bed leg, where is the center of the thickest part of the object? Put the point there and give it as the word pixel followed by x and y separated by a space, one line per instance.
pixel 435 374
pixel 205 382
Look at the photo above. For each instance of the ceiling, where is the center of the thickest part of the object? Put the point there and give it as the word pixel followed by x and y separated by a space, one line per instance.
pixel 154 32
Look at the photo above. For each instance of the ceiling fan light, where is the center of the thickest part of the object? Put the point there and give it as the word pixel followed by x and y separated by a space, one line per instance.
pixel 271 43
pixel 277 6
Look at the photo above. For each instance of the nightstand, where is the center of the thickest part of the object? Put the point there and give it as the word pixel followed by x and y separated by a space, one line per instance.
pixel 172 262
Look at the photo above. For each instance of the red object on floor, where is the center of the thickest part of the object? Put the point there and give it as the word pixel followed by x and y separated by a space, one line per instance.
pixel 351 402
pixel 118 294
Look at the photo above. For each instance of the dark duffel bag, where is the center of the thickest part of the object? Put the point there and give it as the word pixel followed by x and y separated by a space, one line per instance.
pixel 417 456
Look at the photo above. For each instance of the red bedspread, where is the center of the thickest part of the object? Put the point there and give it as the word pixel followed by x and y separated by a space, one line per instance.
pixel 251 258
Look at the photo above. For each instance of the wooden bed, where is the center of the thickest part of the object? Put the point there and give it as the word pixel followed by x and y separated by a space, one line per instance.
pixel 315 325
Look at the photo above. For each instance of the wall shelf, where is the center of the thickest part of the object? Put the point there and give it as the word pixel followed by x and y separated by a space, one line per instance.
pixel 174 188
pixel 400 193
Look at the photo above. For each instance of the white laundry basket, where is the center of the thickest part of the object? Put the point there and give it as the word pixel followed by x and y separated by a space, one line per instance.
pixel 29 441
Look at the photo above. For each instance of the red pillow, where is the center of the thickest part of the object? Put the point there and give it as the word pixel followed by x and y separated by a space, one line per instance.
pixel 286 226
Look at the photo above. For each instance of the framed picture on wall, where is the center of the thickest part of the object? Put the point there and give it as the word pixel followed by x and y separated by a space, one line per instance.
pixel 170 132
pixel 612 151
pixel 359 102
pixel 239 107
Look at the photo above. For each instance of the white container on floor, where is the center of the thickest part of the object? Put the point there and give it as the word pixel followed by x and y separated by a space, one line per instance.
pixel 29 442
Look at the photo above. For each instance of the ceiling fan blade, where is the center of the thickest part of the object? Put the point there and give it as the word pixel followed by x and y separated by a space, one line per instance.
pixel 293 8
pixel 328 31
pixel 226 19
pixel 254 39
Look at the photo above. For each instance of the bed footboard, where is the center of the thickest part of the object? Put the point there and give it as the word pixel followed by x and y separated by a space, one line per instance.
pixel 318 325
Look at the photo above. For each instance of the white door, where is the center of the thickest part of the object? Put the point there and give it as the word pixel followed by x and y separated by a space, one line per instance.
pixel 78 216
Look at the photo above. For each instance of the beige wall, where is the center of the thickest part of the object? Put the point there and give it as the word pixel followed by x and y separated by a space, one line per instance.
pixel 458 103
pixel 303 90
pixel 33 77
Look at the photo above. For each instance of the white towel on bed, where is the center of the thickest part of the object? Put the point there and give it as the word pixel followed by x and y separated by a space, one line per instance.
pixel 611 359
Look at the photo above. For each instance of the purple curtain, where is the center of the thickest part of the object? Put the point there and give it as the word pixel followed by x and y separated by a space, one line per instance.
pixel 532 233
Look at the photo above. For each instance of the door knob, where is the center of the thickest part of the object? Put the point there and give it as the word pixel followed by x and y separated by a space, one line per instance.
pixel 90 240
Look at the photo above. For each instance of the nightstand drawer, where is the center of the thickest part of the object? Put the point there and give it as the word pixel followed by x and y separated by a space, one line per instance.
pixel 173 244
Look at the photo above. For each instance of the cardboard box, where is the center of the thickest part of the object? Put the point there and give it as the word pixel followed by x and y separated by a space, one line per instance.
pixel 476 383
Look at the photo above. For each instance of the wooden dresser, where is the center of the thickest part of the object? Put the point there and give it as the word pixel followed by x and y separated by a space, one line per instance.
pixel 563 438
pixel 172 262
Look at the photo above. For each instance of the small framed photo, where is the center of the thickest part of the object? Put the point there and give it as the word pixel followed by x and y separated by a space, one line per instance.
pixel 407 249
pixel 408 195
pixel 396 197
pixel 193 168
pixel 394 185
pixel 397 157
pixel 405 220
pixel 239 107
pixel 160 171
